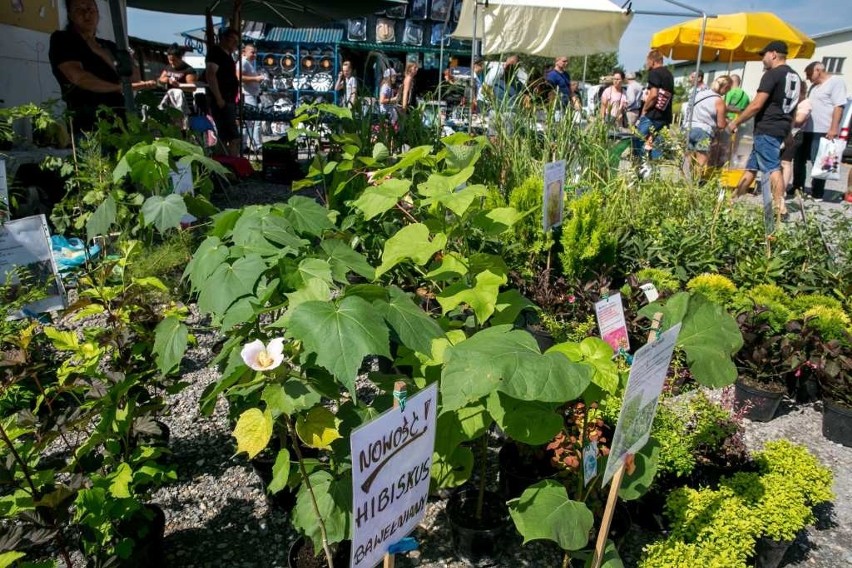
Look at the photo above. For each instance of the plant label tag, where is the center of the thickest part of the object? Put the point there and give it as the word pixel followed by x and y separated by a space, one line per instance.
pixel 182 180
pixel 721 196
pixel 391 469
pixel 613 328
pixel 644 385
pixel 554 194
pixel 590 462
pixel 25 245
pixel 650 292
pixel 4 190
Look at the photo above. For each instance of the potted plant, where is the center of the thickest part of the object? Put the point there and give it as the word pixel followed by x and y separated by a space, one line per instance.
pixel 761 383
pixel 750 515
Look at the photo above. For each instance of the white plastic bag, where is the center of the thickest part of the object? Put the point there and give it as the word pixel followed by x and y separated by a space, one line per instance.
pixel 827 160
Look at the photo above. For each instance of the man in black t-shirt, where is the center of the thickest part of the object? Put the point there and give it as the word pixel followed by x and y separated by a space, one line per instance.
pixel 221 73
pixel 656 112
pixel 773 108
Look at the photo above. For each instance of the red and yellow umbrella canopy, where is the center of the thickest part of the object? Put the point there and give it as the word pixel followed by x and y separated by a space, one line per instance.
pixel 732 37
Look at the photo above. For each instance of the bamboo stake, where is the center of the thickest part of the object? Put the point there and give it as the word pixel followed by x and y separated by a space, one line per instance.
pixel 398 386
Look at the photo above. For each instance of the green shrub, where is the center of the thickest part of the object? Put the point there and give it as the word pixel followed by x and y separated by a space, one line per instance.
pixel 804 302
pixel 774 301
pixel 662 279
pixel 719 527
pixel 528 241
pixel 715 287
pixel 588 244
pixel 831 323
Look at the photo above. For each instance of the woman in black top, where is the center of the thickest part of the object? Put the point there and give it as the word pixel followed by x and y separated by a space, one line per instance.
pixel 85 67
pixel 178 71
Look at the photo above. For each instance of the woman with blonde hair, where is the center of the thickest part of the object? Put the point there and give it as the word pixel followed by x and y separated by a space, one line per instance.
pixel 708 119
pixel 614 100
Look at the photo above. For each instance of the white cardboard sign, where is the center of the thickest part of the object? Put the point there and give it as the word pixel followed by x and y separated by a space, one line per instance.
pixel 25 244
pixel 611 323
pixel 644 385
pixel 554 194
pixel 391 465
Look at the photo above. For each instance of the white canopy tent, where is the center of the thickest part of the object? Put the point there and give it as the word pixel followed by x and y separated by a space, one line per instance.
pixel 543 27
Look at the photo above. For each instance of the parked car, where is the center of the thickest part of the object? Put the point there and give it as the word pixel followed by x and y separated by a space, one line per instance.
pixel 845 124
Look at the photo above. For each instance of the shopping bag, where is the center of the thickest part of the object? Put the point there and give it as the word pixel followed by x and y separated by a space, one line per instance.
pixel 827 160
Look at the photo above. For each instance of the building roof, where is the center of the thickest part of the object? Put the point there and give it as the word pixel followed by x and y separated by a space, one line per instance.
pixel 822 35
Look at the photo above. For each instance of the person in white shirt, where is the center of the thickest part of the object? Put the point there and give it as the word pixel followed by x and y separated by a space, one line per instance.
pixel 827 96
pixel 250 91
pixel 633 91
pixel 347 82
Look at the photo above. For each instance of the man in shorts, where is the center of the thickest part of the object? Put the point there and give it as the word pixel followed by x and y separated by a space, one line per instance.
pixel 772 108
pixel 656 112
pixel 221 74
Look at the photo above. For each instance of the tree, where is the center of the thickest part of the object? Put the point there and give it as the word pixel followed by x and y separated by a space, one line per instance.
pixel 598 65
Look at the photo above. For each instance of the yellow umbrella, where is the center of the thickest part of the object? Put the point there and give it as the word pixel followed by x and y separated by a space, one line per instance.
pixel 732 37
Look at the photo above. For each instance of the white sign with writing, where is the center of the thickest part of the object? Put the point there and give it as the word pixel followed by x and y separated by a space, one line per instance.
pixel 26 252
pixel 554 194
pixel 611 323
pixel 391 464
pixel 644 385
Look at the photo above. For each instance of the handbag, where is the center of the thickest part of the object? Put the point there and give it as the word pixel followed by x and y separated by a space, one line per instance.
pixel 827 160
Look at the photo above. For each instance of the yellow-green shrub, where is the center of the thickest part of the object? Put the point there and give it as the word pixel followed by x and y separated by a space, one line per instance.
pixel 715 287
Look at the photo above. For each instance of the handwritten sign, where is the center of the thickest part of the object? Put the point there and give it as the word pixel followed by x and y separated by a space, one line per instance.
pixel 25 250
pixel 554 194
pixel 611 323
pixel 391 464
pixel 644 385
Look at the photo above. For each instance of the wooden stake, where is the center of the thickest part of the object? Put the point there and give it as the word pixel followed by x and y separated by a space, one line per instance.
pixel 398 386
pixel 606 521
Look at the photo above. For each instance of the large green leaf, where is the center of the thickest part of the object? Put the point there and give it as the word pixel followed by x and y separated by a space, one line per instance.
pixel 164 212
pixel 548 378
pixel 710 337
pixel 416 330
pixel 528 422
pixel 452 266
pixel 289 398
pixel 260 225
pixel 209 256
pixel 438 184
pixel 308 216
pixel 611 558
pixel 171 337
pixel 481 297
pixel 499 358
pixel 8 558
pixel 452 469
pixel 231 282
pixel 343 259
pixel 498 220
pixel 102 219
pixel 410 243
pixel 340 335
pixel 317 268
pixel 334 501
pixel 544 511
pixel 597 353
pixel 509 306
pixel 375 200
pixel 459 201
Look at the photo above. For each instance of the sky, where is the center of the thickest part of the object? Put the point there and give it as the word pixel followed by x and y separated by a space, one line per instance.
pixel 810 16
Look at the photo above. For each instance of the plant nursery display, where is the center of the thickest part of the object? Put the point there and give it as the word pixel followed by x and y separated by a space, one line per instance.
pixel 405 335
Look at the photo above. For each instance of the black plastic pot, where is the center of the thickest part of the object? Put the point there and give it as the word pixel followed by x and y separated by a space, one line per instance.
pixel 837 423
pixel 477 540
pixel 518 472
pixel 301 555
pixel 149 536
pixel 760 404
pixel 769 553
pixel 285 499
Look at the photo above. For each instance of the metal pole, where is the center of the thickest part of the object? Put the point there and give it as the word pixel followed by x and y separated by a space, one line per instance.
pixel 125 64
pixel 473 92
pixel 697 69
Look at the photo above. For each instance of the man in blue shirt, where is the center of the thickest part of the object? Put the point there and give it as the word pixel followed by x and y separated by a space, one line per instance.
pixel 560 80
